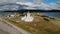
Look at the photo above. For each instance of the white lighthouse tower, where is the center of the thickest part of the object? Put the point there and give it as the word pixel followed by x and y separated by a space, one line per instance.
pixel 27 17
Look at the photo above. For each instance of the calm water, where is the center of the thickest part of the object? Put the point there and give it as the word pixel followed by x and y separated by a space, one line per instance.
pixel 53 14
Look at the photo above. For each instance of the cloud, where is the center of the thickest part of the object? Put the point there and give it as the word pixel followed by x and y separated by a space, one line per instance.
pixel 26 5
pixel 55 6
pixel 9 7
pixel 37 1
pixel 8 1
pixel 30 5
pixel 13 1
pixel 37 5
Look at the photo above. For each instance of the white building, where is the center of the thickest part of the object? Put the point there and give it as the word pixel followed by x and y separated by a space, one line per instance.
pixel 28 18
pixel 13 15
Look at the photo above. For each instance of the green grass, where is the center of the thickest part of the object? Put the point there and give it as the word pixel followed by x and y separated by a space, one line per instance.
pixel 38 25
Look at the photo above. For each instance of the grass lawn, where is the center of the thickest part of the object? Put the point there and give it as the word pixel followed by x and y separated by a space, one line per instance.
pixel 40 24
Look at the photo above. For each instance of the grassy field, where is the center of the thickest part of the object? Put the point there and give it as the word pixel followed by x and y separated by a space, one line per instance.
pixel 40 25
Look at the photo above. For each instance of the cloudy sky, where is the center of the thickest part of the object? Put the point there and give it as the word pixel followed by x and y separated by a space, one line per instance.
pixel 39 4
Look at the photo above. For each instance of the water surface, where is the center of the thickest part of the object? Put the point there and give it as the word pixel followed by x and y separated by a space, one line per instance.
pixel 53 14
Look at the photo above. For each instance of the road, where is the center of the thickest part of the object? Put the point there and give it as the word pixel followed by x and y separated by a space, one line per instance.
pixel 9 28
pixel 3 32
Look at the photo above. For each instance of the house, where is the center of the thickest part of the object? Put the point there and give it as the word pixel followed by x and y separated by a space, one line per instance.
pixel 27 17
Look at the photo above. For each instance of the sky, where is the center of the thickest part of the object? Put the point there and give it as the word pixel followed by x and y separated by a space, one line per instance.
pixel 46 1
pixel 30 0
pixel 50 1
pixel 41 4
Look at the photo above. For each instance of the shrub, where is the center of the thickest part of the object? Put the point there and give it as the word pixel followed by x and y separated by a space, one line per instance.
pixel 52 18
pixel 45 16
pixel 46 19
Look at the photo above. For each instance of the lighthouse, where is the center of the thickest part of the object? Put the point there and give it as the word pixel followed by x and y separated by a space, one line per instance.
pixel 27 17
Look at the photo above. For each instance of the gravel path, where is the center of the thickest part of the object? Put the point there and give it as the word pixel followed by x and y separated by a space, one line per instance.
pixel 10 28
